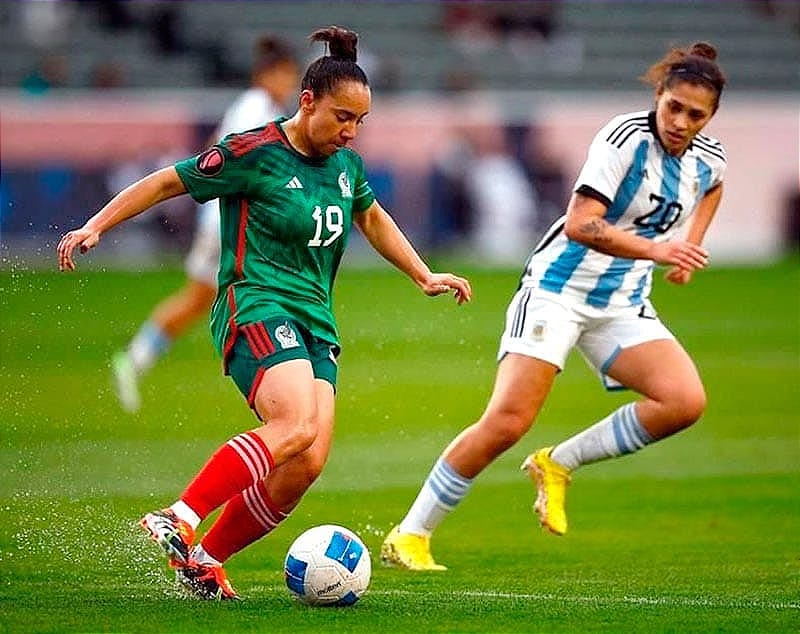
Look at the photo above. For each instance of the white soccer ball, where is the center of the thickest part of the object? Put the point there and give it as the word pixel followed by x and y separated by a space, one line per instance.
pixel 328 565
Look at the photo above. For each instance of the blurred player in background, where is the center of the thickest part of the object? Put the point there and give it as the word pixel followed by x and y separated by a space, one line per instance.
pixel 289 195
pixel 275 76
pixel 587 284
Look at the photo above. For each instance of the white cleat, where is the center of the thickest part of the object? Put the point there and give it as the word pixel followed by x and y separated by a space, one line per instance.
pixel 125 383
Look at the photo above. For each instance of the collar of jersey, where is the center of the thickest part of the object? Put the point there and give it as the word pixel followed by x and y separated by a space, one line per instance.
pixel 307 159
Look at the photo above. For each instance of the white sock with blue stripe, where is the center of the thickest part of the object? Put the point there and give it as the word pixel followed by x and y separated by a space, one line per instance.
pixel 618 434
pixel 149 344
pixel 439 495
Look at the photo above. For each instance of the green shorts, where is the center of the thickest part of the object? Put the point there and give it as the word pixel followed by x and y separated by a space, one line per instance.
pixel 263 344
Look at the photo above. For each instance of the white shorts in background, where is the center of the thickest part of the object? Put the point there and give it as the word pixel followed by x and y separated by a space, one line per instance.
pixel 202 263
pixel 548 325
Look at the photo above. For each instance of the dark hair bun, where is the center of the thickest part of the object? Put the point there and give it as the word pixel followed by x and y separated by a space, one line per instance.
pixel 703 49
pixel 341 42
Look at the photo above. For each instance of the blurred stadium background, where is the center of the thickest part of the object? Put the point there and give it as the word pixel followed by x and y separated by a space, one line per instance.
pixel 481 118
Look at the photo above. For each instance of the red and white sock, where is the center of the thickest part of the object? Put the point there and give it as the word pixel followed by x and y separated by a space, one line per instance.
pixel 246 518
pixel 239 464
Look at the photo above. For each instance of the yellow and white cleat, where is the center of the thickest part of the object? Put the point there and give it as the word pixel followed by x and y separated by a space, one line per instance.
pixel 551 485
pixel 408 551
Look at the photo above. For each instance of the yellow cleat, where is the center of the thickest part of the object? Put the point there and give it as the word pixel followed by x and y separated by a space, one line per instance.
pixel 551 485
pixel 408 551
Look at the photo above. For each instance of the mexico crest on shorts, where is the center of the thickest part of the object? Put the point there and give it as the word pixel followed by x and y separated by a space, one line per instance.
pixel 286 336
pixel 344 185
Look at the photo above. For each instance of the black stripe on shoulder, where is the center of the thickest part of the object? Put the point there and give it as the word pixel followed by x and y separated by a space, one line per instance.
pixel 708 149
pixel 709 140
pixel 624 124
pixel 640 128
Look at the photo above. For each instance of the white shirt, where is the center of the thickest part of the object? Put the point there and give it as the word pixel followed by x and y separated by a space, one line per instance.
pixel 648 191
pixel 252 108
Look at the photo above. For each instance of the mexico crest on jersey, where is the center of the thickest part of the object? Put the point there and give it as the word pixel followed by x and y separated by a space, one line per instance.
pixel 344 185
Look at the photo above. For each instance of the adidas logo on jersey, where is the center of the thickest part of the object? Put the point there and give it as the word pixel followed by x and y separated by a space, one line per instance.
pixel 294 183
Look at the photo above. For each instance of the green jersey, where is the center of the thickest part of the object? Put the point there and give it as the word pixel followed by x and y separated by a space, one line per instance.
pixel 285 222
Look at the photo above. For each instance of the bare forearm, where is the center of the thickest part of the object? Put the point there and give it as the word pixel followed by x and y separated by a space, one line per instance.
pixel 600 235
pixel 586 225
pixel 703 215
pixel 386 238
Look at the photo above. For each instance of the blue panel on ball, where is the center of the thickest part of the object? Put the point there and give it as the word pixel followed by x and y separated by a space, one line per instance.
pixel 349 599
pixel 295 572
pixel 344 550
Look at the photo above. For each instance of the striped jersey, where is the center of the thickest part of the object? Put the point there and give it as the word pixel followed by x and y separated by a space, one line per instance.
pixel 285 222
pixel 647 192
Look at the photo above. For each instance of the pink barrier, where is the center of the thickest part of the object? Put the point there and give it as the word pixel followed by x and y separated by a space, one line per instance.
pixel 406 135
pixel 91 132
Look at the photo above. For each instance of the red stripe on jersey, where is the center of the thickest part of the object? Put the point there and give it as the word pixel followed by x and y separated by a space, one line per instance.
pixel 241 144
pixel 262 331
pixel 241 241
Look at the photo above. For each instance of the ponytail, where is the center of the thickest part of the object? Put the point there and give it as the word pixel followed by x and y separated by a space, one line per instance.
pixel 338 64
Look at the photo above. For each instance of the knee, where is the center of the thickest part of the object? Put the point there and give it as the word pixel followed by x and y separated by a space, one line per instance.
pixel 288 435
pixel 696 404
pixel 689 407
pixel 301 434
pixel 506 428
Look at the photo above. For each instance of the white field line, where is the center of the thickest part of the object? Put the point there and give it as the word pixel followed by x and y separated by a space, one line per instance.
pixel 684 602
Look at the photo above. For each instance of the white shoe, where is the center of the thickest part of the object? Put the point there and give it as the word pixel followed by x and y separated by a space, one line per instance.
pixel 125 384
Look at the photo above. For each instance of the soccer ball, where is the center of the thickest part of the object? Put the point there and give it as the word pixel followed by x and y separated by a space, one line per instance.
pixel 328 565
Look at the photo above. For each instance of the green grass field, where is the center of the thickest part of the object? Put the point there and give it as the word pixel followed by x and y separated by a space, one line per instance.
pixel 700 533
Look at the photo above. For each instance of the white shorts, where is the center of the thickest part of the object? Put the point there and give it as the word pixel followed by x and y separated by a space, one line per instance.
pixel 548 325
pixel 202 263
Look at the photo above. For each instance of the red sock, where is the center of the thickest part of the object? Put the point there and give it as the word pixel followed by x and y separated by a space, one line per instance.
pixel 237 465
pixel 245 518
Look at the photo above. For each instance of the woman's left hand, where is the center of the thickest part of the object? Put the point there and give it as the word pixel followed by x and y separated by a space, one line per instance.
pixel 439 283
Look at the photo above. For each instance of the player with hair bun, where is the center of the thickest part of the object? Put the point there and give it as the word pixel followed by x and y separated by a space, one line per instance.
pixel 289 194
pixel 586 285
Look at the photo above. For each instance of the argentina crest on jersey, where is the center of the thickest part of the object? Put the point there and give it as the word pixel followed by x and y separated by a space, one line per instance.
pixel 344 185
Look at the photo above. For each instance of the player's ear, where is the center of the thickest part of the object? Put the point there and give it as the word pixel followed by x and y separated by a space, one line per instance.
pixel 307 101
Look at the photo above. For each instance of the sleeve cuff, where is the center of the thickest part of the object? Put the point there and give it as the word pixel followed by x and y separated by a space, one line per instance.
pixel 591 192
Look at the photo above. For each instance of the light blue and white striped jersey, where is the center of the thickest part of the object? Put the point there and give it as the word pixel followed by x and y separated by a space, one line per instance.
pixel 648 192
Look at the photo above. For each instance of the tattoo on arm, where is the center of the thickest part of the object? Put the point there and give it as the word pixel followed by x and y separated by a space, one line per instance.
pixel 595 232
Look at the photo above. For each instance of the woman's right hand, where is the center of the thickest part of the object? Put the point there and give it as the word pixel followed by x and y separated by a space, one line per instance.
pixel 686 255
pixel 82 238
